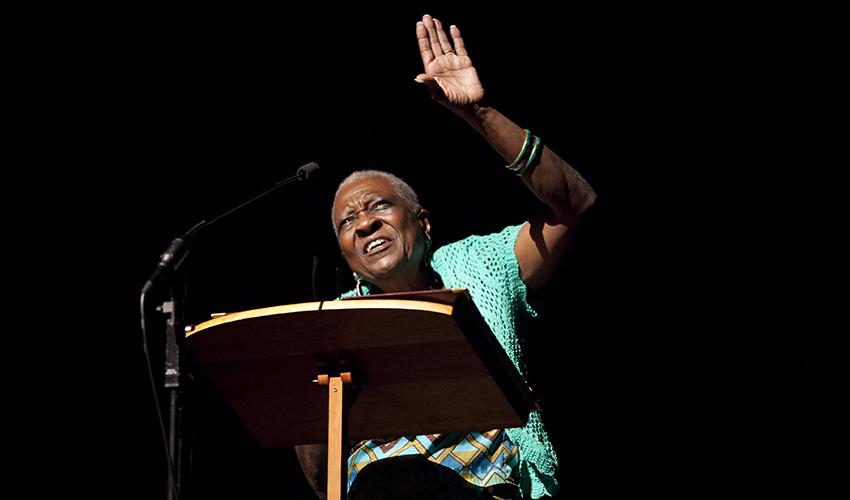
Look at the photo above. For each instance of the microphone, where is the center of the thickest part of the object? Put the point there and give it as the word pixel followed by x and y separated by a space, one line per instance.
pixel 165 262
pixel 173 256
pixel 305 171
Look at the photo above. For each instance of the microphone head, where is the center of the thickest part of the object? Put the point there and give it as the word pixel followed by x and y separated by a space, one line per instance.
pixel 304 171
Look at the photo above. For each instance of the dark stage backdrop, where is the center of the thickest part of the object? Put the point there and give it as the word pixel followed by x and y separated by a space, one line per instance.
pixel 670 339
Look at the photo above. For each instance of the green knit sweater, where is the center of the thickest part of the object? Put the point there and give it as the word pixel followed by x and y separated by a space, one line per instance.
pixel 487 267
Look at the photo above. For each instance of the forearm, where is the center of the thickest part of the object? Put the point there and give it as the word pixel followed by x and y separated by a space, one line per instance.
pixel 552 180
pixel 313 459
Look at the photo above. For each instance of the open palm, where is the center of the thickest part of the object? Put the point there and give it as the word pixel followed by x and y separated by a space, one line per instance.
pixel 449 72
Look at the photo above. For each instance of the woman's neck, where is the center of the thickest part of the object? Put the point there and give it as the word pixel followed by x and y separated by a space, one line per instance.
pixel 426 279
pixel 418 282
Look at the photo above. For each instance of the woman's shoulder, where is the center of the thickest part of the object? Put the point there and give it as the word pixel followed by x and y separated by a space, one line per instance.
pixel 478 244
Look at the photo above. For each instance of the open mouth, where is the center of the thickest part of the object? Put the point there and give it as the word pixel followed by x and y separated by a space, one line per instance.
pixel 376 246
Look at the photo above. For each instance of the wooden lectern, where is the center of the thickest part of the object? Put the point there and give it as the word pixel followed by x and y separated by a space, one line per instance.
pixel 418 363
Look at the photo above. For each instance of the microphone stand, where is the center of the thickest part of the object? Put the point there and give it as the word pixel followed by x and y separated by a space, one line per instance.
pixel 167 269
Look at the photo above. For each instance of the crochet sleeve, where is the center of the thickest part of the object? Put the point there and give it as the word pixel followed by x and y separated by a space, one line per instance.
pixel 488 267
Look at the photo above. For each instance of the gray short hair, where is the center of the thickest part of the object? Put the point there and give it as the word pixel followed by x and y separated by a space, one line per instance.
pixel 402 189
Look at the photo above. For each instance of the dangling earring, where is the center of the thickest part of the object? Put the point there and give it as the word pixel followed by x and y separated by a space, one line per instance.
pixel 435 282
pixel 357 285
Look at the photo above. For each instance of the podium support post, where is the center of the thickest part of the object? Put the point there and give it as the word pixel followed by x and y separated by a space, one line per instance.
pixel 337 432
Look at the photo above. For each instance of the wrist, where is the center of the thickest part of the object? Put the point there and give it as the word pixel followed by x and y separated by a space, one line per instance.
pixel 474 114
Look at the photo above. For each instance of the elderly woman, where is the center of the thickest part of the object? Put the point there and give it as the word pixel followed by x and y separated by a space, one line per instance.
pixel 384 236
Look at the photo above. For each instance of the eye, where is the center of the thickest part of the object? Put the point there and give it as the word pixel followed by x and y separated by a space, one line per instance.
pixel 345 223
pixel 380 205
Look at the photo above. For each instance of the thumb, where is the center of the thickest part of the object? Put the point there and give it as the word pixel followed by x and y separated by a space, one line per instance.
pixel 433 87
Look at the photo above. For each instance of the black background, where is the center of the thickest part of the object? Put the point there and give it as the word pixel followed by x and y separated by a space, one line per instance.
pixel 680 353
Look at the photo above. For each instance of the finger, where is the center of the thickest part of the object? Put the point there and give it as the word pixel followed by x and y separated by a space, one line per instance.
pixel 460 48
pixel 424 45
pixel 445 44
pixel 428 21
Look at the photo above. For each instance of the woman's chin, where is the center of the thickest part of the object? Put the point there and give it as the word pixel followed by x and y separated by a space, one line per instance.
pixel 384 268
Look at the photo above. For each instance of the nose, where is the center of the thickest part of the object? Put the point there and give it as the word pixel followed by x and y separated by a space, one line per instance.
pixel 366 224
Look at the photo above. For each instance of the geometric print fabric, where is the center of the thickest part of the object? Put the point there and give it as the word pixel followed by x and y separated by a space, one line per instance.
pixel 481 458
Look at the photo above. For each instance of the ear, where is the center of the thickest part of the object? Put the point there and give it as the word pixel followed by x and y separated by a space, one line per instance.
pixel 424 219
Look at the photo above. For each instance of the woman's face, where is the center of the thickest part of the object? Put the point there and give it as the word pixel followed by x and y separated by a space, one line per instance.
pixel 381 239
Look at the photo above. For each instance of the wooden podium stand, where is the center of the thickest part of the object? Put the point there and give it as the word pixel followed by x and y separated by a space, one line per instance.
pixel 416 363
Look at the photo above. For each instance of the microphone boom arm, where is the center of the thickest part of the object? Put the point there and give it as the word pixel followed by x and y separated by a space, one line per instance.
pixel 173 256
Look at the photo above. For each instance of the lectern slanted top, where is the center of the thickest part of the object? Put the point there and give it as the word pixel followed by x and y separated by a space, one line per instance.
pixel 423 362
